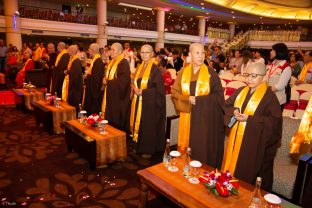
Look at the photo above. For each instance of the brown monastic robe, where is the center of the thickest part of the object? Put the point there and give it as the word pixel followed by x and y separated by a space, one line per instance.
pixel 58 74
pixel 261 139
pixel 93 94
pixel 118 97
pixel 75 84
pixel 151 137
pixel 207 131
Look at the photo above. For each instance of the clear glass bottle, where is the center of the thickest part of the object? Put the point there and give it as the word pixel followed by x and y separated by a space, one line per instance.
pixel 166 157
pixel 255 201
pixel 187 160
pixel 79 113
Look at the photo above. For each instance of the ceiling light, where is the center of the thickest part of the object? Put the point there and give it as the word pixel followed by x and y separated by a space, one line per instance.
pixel 233 17
pixel 232 12
pixel 135 6
pixel 202 4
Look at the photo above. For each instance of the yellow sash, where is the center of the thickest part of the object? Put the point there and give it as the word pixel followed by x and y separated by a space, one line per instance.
pixel 96 56
pixel 202 88
pixel 304 133
pixel 66 79
pixel 24 67
pixel 146 75
pixel 58 58
pixel 237 131
pixel 110 74
pixel 304 71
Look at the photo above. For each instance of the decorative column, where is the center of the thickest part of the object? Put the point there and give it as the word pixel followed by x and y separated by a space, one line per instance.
pixel 12 23
pixel 202 28
pixel 232 26
pixel 101 13
pixel 160 43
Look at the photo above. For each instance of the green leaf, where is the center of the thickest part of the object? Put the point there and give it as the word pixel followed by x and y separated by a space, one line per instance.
pixel 215 192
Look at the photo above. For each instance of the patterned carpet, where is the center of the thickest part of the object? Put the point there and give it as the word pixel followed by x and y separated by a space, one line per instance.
pixel 37 171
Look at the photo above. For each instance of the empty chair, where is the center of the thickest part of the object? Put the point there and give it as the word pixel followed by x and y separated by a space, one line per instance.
pixel 302 104
pixel 231 87
pixel 291 106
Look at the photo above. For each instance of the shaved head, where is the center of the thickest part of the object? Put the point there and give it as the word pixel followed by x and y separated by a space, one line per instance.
pixel 95 47
pixel 147 47
pixel 72 50
pixel 116 50
pixel 257 68
pixel 195 45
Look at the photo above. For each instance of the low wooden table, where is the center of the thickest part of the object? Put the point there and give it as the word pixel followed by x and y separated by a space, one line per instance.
pixel 52 117
pixel 26 97
pixel 177 188
pixel 98 149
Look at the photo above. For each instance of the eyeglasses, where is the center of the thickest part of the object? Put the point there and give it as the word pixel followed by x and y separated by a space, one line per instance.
pixel 145 52
pixel 252 75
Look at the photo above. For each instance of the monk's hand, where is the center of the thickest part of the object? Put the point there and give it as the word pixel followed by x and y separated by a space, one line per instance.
pixel 240 117
pixel 104 81
pixel 192 100
pixel 65 71
pixel 137 91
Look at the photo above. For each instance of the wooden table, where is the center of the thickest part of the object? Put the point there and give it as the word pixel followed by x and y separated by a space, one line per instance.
pixel 52 117
pixel 98 149
pixel 177 188
pixel 26 97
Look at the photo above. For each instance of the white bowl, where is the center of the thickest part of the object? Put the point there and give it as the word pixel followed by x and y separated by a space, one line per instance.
pixel 195 164
pixel 273 199
pixel 175 153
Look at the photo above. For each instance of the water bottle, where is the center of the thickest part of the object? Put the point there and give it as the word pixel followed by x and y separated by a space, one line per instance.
pixel 79 113
pixel 255 201
pixel 166 157
pixel 187 160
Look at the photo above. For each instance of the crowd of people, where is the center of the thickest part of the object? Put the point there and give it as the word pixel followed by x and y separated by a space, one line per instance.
pixel 129 86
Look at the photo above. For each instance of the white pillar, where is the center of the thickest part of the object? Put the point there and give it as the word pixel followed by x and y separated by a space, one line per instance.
pixel 101 13
pixel 232 26
pixel 12 23
pixel 201 28
pixel 160 43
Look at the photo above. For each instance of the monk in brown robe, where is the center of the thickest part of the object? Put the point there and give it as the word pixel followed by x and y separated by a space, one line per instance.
pixel 254 116
pixel 198 96
pixel 75 77
pixel 148 109
pixel 61 64
pixel 116 100
pixel 94 77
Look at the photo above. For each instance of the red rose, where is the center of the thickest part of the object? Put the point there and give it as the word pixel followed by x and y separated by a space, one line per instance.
pixel 222 190
pixel 235 183
pixel 94 114
pixel 91 121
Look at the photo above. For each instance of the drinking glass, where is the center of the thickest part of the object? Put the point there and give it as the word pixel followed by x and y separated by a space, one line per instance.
pixel 195 169
pixel 173 161
pixel 57 102
pixel 101 115
pixel 47 97
pixel 83 115
pixel 272 201
pixel 103 126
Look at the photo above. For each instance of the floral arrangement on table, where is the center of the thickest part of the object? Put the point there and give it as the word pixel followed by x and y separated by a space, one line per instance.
pixel 94 120
pixel 220 183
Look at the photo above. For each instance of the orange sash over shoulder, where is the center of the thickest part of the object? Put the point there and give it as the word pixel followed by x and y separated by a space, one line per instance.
pixel 202 88
pixel 237 131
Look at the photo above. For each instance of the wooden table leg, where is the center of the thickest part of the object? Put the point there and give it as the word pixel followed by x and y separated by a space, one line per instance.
pixel 144 193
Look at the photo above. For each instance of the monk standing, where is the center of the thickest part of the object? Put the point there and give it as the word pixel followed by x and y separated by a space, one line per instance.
pixel 198 96
pixel 254 116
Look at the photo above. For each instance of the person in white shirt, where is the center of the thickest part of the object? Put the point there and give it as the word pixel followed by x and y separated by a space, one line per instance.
pixel 279 72
pixel 258 57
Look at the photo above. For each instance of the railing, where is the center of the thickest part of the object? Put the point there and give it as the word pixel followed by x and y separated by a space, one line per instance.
pixel 218 33
pixel 238 42
pixel 181 30
pixel 275 35
pixel 131 24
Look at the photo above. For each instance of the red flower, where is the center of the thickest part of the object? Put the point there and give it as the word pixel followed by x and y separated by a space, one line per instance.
pixel 94 114
pixel 203 179
pixel 91 121
pixel 235 183
pixel 222 190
